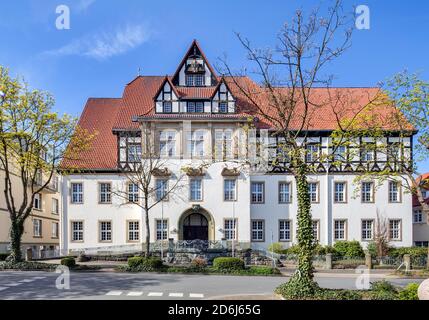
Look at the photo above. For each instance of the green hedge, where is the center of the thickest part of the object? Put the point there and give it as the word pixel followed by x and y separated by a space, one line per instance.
pixel 228 264
pixel 68 262
pixel 412 251
pixel 409 292
pixel 145 264
pixel 350 249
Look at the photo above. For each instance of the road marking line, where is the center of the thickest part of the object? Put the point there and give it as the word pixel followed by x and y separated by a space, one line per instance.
pixel 39 278
pixel 177 295
pixel 155 294
pixel 114 293
pixel 12 284
pixel 26 280
pixel 196 295
pixel 3 288
pixel 135 294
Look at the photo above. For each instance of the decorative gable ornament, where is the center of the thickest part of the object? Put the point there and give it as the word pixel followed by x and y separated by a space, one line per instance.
pixel 158 172
pixel 233 172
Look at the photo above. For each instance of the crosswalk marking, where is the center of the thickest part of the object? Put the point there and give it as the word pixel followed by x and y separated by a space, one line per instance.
pixel 135 294
pixel 196 295
pixel 12 284
pixel 2 288
pixel 114 293
pixel 155 294
pixel 176 294
pixel 27 280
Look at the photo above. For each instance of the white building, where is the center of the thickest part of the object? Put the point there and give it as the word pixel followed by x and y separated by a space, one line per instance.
pixel 192 115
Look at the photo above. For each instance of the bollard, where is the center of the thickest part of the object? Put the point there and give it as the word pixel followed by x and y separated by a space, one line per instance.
pixel 329 261
pixel 368 261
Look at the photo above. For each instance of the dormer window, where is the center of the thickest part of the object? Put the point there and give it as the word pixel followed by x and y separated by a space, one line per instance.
pixel 195 80
pixel 195 106
pixel 223 107
pixel 167 107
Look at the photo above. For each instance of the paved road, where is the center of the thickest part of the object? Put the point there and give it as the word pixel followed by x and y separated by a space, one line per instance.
pixel 110 285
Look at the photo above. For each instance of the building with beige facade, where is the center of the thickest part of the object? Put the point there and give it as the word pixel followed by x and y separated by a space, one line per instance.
pixel 42 227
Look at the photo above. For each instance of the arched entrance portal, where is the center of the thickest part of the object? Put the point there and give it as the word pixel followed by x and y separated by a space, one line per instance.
pixel 195 227
pixel 196 224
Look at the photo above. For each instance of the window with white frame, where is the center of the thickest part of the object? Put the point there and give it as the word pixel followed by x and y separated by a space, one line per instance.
pixel 418 216
pixel 367 230
pixel 313 191
pixel 134 152
pixel 77 230
pixel 199 80
pixel 284 192
pixel 223 144
pixel 258 230
pixel 105 231
pixel 340 153
pixel 76 193
pixel 230 189
pixel 55 229
pixel 196 143
pixel 284 230
pixel 230 229
pixel 196 189
pixel 312 152
pixel 223 107
pixel 367 191
pixel 367 152
pixel 394 189
pixel 189 79
pixel 257 192
pixel 37 228
pixel 199 106
pixel 190 107
pixel 133 230
pixel 105 192
pixel 340 229
pixel 340 192
pixel 133 192
pixel 167 107
pixel 167 143
pixel 315 226
pixel 395 229
pixel 161 229
pixel 161 189
pixel 55 206
pixel 37 201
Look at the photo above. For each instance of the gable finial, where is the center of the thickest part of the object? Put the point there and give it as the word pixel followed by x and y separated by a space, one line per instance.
pixel 139 71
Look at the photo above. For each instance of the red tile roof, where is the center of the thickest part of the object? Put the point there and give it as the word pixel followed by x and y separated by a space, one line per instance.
pixel 196 92
pixel 98 117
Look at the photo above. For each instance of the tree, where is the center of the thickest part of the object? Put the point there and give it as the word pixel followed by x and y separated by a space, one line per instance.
pixel 409 95
pixel 148 167
pixel 285 100
pixel 33 142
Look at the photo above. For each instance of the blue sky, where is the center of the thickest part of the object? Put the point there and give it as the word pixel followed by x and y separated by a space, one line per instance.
pixel 110 39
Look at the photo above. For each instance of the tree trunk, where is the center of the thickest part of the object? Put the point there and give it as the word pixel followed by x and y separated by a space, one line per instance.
pixel 301 284
pixel 16 231
pixel 147 246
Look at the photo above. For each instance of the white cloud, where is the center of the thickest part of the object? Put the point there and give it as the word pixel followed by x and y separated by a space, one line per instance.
pixel 83 5
pixel 104 45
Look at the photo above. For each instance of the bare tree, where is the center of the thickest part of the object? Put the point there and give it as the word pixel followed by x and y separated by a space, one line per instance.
pixel 381 235
pixel 286 101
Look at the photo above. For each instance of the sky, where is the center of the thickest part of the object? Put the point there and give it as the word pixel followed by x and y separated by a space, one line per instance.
pixel 110 40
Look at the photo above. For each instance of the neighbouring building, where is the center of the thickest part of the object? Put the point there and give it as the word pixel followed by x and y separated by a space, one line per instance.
pixel 420 219
pixel 42 227
pixel 191 115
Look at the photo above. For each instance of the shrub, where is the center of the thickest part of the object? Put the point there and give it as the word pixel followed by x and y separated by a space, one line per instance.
pixel 323 250
pixel 83 258
pixel 228 264
pixel 349 249
pixel 412 251
pixel 277 247
pixel 295 249
pixel 372 249
pixel 262 270
pixel 410 292
pixel 383 290
pixel 27 265
pixel 199 263
pixel 3 256
pixel 68 262
pixel 140 264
